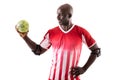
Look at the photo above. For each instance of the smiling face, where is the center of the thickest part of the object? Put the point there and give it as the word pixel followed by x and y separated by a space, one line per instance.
pixel 64 14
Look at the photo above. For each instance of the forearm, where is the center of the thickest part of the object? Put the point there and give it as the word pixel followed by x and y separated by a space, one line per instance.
pixel 29 42
pixel 89 62
pixel 75 71
pixel 36 49
pixel 96 52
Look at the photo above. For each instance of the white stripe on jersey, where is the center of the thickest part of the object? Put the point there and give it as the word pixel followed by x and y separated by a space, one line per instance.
pixel 46 42
pixel 52 71
pixel 83 39
pixel 53 64
pixel 58 57
pixel 64 65
pixel 71 59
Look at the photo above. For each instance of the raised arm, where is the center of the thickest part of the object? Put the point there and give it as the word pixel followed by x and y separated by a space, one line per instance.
pixel 37 49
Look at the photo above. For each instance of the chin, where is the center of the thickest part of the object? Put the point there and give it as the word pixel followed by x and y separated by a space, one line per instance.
pixel 65 24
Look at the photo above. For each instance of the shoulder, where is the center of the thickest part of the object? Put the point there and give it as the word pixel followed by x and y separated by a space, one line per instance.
pixel 80 29
pixel 53 30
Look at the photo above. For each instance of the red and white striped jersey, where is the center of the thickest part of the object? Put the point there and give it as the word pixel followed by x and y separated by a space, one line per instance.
pixel 66 50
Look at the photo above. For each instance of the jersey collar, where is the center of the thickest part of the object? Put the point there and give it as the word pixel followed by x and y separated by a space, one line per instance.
pixel 68 30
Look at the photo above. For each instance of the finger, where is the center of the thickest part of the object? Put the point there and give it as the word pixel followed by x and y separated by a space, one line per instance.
pixel 73 72
pixel 76 74
pixel 16 29
pixel 75 68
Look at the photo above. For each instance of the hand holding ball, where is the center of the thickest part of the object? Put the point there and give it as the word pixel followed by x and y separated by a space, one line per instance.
pixel 22 26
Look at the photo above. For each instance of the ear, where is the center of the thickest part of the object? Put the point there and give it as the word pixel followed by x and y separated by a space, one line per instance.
pixel 70 15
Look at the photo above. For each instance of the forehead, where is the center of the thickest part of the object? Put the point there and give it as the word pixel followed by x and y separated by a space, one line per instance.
pixel 64 11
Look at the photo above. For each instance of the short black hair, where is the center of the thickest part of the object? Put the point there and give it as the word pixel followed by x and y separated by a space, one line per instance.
pixel 67 7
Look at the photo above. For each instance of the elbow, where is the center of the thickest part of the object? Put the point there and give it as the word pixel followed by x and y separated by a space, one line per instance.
pixel 37 50
pixel 36 53
pixel 96 52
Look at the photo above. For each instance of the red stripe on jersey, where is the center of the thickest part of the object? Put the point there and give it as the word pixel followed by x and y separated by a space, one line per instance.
pixel 67 66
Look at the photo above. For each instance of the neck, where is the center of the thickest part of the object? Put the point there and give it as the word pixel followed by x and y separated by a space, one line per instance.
pixel 66 27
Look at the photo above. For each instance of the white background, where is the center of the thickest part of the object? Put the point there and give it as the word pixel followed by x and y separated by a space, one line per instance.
pixel 100 17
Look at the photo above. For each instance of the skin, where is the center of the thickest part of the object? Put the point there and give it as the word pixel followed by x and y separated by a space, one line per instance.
pixel 64 14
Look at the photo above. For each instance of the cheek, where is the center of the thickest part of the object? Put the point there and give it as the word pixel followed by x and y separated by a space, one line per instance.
pixel 66 20
pixel 58 18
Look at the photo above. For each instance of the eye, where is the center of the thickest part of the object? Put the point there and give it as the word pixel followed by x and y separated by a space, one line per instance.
pixel 58 16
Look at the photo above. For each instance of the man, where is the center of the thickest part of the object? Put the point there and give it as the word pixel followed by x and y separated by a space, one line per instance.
pixel 66 40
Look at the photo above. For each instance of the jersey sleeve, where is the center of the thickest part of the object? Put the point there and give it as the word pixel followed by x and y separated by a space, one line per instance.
pixel 87 38
pixel 45 43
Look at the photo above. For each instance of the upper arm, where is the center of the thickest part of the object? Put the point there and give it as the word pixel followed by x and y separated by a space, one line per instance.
pixel 42 50
pixel 88 39
pixel 95 46
pixel 45 43
pixel 90 42
pixel 95 50
pixel 43 46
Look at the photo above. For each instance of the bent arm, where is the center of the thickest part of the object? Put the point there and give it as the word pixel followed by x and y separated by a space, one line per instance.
pixel 37 49
pixel 95 52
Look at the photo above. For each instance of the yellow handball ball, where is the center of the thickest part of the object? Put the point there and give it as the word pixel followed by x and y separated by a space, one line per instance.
pixel 22 26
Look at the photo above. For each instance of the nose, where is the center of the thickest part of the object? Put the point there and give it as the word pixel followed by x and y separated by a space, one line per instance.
pixel 60 17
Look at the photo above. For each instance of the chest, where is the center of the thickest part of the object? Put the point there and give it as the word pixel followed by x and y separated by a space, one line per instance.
pixel 71 39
